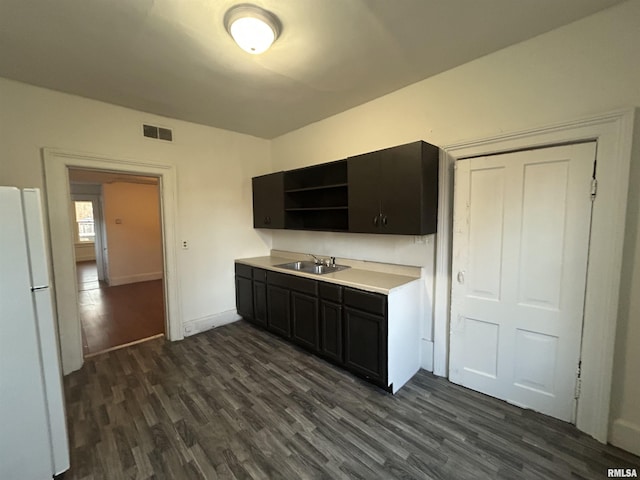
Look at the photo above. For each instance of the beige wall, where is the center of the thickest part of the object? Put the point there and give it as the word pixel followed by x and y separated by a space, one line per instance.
pixel 586 68
pixel 134 238
pixel 213 171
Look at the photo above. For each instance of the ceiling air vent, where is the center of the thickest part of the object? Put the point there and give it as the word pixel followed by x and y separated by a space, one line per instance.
pixel 160 133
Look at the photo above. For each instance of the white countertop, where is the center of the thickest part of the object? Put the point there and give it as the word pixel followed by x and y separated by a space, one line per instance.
pixel 369 280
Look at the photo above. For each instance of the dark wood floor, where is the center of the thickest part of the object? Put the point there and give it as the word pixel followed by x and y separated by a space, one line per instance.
pixel 238 403
pixel 115 316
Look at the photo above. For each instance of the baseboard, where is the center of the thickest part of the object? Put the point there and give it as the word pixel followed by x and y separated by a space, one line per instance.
pixel 139 277
pixel 191 327
pixel 625 435
pixel 426 354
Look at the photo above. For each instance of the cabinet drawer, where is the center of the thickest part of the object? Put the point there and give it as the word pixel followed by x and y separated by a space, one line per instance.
pixel 243 270
pixel 259 275
pixel 330 292
pixel 366 301
pixel 304 285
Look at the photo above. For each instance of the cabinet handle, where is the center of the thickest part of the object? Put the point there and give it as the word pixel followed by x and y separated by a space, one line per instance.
pixel 461 277
pixel 267 220
pixel 375 220
pixel 384 220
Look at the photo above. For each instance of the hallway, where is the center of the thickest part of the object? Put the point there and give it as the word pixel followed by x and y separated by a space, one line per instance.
pixel 112 317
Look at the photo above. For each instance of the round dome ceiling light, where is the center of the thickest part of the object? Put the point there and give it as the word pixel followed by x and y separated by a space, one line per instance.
pixel 253 28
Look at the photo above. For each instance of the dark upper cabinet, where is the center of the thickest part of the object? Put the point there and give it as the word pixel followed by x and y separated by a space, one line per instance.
pixel 392 191
pixel 395 190
pixel 268 201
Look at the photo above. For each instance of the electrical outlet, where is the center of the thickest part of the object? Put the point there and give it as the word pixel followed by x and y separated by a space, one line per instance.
pixel 419 239
pixel 185 245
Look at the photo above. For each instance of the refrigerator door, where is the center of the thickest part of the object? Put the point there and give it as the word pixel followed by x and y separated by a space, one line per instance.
pixel 52 380
pixel 24 443
pixel 47 331
pixel 35 237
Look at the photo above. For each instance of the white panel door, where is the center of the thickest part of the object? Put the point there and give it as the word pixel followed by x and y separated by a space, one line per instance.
pixel 520 250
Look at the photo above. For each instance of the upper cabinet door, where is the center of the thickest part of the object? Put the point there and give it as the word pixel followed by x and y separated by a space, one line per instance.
pixel 409 189
pixel 364 192
pixel 395 190
pixel 268 201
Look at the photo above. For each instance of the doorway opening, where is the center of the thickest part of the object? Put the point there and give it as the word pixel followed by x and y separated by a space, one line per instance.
pixel 117 235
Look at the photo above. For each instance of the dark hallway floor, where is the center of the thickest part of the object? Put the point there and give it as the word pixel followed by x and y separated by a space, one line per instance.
pixel 115 316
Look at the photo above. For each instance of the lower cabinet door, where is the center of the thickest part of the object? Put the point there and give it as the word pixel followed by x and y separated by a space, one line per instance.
pixel 244 297
pixel 331 330
pixel 260 303
pixel 304 321
pixel 279 310
pixel 366 344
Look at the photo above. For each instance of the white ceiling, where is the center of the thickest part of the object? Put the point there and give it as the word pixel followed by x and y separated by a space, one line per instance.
pixel 175 58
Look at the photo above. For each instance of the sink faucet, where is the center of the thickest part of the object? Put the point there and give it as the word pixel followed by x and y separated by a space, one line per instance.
pixel 331 261
pixel 316 260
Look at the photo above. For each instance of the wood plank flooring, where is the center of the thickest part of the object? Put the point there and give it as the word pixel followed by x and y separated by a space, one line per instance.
pixel 239 403
pixel 115 316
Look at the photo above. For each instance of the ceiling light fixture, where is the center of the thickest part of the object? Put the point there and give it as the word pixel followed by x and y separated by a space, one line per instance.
pixel 253 28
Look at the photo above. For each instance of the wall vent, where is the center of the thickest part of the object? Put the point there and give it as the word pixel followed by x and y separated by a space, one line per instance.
pixel 160 133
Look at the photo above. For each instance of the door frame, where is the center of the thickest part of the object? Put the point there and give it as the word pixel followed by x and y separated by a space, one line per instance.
pixel 614 134
pixel 58 195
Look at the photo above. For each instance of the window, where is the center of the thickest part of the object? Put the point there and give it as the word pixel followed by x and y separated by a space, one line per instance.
pixel 85 228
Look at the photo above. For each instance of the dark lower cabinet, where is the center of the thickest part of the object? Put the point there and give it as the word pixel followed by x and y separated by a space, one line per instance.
pixel 344 325
pixel 365 334
pixel 365 344
pixel 304 321
pixel 244 297
pixel 260 302
pixel 244 291
pixel 279 310
pixel 331 330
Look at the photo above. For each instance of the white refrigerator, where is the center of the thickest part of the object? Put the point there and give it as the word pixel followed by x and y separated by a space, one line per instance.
pixel 33 432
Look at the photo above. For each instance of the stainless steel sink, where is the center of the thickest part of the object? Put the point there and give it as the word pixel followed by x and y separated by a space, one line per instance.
pixel 311 267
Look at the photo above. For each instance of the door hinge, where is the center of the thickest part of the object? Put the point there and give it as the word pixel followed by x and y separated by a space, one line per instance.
pixel 578 380
pixel 594 188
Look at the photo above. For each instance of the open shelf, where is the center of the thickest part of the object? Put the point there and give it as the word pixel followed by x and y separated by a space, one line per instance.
pixel 328 219
pixel 317 187
pixel 310 209
pixel 326 175
pixel 317 197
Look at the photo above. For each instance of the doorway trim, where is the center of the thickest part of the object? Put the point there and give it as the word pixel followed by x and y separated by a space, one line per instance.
pixel 56 165
pixel 614 135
